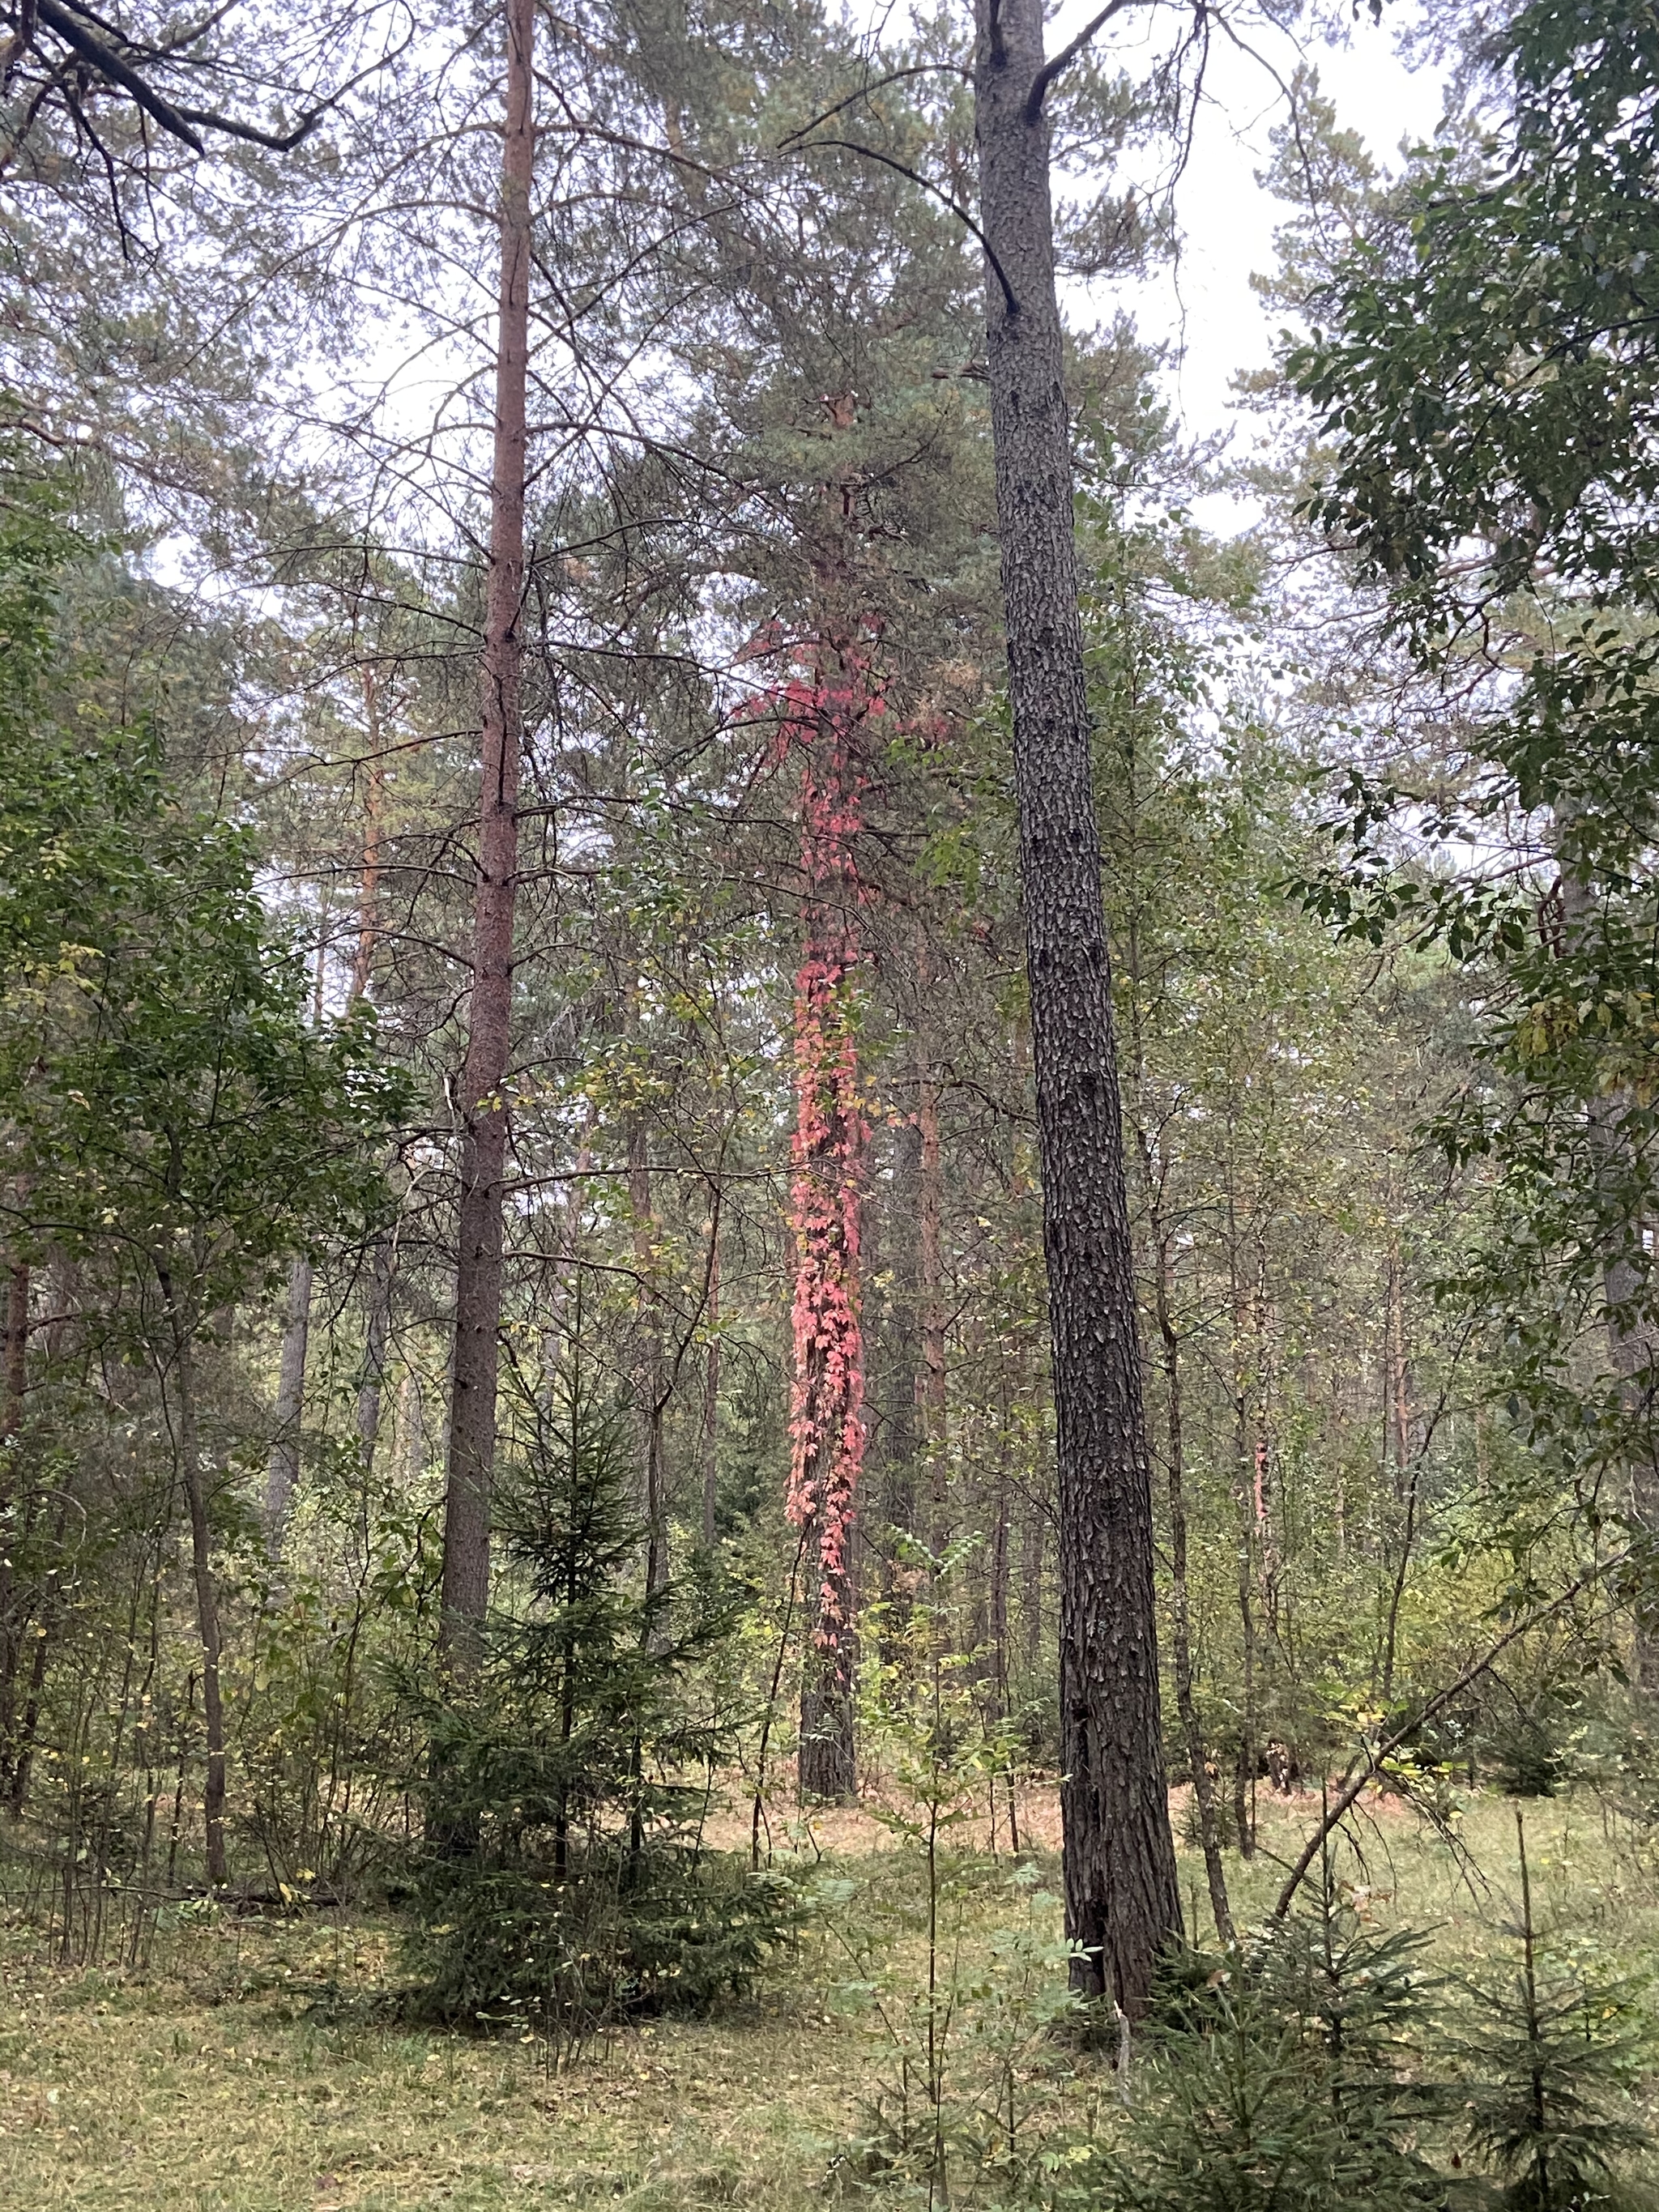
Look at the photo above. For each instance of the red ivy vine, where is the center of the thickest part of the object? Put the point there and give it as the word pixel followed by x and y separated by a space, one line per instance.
pixel 823 719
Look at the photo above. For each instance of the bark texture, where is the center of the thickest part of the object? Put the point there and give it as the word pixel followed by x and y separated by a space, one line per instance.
pixel 483 1104
pixel 1122 1903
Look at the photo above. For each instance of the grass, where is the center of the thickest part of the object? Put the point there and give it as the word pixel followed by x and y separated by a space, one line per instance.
pixel 245 2072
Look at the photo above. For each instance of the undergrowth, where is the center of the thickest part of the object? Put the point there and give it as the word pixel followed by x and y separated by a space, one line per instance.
pixel 265 2064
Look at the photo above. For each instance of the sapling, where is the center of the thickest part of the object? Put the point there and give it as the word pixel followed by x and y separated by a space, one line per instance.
pixel 1552 2057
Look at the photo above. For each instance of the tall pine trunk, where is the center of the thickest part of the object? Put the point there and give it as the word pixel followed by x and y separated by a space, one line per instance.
pixel 827 1161
pixel 1122 1902
pixel 483 1105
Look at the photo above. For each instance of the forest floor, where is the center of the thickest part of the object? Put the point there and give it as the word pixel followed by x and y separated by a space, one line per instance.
pixel 245 2070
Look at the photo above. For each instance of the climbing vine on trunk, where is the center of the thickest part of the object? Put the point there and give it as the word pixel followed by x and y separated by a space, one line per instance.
pixel 824 716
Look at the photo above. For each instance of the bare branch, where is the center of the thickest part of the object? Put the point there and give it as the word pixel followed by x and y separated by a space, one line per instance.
pixel 1063 60
pixel 1375 1760
pixel 110 66
pixel 864 91
pixel 871 153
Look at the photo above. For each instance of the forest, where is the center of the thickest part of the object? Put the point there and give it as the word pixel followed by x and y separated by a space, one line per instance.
pixel 829 1163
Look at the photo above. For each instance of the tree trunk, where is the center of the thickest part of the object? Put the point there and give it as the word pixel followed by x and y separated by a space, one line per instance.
pixel 373 809
pixel 1123 1900
pixel 377 1328
pixel 711 1393
pixel 931 1241
pixel 14 1383
pixel 378 1318
pixel 282 1475
pixel 652 1376
pixel 826 1195
pixel 904 1387
pixel 207 1598
pixel 484 1111
pixel 1209 1828
pixel 1399 1421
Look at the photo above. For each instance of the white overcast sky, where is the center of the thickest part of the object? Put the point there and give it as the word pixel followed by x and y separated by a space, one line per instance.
pixel 1205 304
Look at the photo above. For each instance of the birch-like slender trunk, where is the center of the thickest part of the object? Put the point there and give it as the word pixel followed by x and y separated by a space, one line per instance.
pixel 711 1393
pixel 1122 1899
pixel 283 1473
pixel 13 1384
pixel 652 1365
pixel 931 1238
pixel 188 1443
pixel 482 1100
pixel 1209 1826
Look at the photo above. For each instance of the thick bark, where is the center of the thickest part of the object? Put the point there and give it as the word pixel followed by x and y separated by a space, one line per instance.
pixel 14 1383
pixel 827 1161
pixel 484 1111
pixel 1122 1901
pixel 283 1474
pixel 827 1769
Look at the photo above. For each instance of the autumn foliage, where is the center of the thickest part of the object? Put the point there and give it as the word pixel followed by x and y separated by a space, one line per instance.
pixel 825 715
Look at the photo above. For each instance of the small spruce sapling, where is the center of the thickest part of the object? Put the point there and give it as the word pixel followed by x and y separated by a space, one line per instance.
pixel 1552 2057
pixel 1362 1994
pixel 578 1763
pixel 1282 2079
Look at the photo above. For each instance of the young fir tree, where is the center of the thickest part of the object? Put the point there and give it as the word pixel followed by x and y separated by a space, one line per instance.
pixel 1553 2055
pixel 577 1765
pixel 1359 1994
pixel 1289 2082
